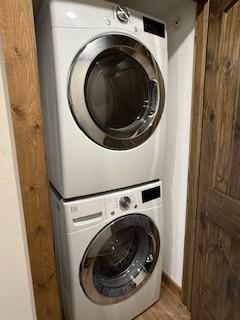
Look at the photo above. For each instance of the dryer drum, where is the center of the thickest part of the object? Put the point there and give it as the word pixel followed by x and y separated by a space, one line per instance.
pixel 120 259
pixel 116 91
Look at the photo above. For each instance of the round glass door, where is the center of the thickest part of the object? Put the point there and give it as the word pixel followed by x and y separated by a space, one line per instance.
pixel 110 85
pixel 120 259
pixel 116 92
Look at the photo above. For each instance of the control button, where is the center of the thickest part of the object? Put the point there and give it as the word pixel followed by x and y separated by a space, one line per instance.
pixel 123 14
pixel 124 203
pixel 136 29
pixel 108 22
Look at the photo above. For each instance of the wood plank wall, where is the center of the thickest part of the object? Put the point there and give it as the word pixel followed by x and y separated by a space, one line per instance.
pixel 17 30
pixel 201 32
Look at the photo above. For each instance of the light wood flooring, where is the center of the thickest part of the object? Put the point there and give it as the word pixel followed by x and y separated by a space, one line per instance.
pixel 169 307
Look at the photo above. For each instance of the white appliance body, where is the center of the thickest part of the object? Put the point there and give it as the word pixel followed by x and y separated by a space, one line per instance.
pixel 77 224
pixel 77 165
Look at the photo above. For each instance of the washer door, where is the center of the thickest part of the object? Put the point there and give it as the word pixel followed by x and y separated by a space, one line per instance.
pixel 120 259
pixel 116 91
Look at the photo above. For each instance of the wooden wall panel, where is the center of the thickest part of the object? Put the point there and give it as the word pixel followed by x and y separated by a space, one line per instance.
pixel 194 161
pixel 216 293
pixel 17 29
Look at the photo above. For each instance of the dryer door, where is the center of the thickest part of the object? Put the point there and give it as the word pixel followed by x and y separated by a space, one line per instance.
pixel 116 92
pixel 120 259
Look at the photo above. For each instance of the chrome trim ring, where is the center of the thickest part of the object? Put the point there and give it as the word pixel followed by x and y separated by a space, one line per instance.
pixel 138 132
pixel 138 263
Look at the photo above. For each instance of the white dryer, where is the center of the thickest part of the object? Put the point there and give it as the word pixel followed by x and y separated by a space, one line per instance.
pixel 103 71
pixel 109 252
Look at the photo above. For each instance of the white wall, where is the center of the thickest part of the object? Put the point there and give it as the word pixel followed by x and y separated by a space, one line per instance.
pixel 16 292
pixel 181 50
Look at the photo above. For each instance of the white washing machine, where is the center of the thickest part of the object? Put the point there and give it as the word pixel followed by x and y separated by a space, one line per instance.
pixel 109 252
pixel 103 71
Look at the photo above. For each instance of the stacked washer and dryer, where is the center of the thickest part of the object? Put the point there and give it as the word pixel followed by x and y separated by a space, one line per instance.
pixel 103 73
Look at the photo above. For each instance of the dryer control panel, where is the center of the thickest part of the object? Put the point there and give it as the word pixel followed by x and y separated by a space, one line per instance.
pixel 104 15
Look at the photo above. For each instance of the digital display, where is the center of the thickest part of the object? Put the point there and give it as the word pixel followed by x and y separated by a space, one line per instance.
pixel 151 194
pixel 154 27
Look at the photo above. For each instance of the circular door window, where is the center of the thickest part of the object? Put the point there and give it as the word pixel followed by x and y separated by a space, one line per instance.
pixel 120 259
pixel 110 85
pixel 116 92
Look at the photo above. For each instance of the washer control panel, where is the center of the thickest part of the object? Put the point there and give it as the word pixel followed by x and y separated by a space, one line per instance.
pixel 134 199
pixel 123 14
pixel 84 213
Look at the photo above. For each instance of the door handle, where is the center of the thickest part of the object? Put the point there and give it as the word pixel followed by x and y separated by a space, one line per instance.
pixel 153 96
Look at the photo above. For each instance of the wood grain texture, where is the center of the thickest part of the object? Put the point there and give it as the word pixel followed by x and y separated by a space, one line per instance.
pixel 194 161
pixel 207 158
pixel 17 29
pixel 169 307
pixel 225 212
pixel 216 287
pixel 228 99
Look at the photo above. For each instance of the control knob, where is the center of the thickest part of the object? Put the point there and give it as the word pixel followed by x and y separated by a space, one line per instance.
pixel 123 14
pixel 124 203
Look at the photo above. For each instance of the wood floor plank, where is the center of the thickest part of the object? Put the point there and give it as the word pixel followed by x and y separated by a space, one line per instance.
pixel 169 307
